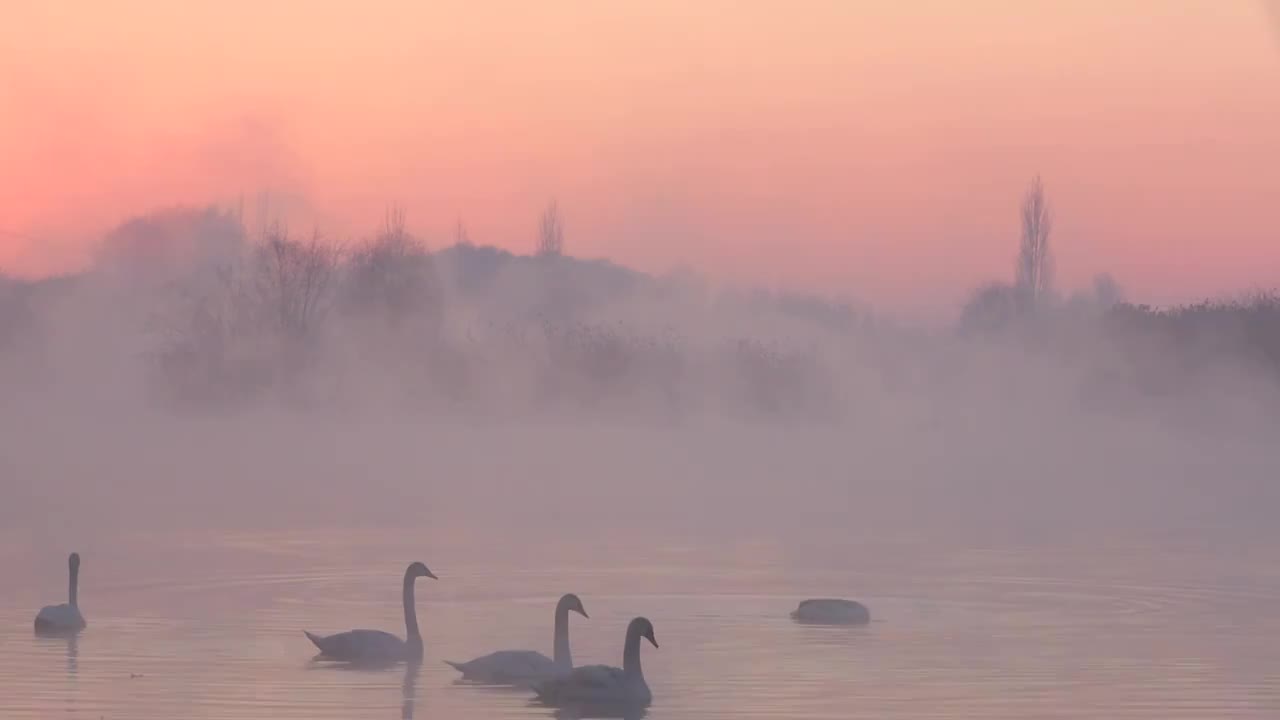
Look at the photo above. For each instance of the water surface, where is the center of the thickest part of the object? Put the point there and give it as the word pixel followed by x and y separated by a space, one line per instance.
pixel 209 625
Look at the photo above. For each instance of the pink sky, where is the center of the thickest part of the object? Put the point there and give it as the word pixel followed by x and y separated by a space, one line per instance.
pixel 875 149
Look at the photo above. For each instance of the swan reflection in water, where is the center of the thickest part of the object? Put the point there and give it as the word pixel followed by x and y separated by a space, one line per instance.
pixel 72 644
pixel 610 710
pixel 408 686
pixel 409 689
pixel 73 656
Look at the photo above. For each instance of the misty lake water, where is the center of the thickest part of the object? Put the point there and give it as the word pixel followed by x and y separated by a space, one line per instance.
pixel 209 625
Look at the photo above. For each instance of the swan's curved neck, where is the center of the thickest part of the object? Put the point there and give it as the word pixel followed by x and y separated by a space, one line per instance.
pixel 563 657
pixel 631 652
pixel 412 634
pixel 73 583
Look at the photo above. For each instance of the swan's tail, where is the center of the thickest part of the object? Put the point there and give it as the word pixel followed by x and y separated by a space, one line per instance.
pixel 315 639
pixel 460 667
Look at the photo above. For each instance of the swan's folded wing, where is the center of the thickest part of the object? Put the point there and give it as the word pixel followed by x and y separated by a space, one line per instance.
pixel 53 613
pixel 522 661
pixel 832 610
pixel 508 665
pixel 359 643
pixel 59 616
pixel 595 677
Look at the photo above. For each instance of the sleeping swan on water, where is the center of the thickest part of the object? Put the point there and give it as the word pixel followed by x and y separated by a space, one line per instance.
pixel 522 667
pixel 832 611
pixel 376 645
pixel 603 685
pixel 64 619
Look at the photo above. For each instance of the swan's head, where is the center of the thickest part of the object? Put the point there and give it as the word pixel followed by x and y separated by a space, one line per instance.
pixel 73 561
pixel 417 570
pixel 574 603
pixel 644 629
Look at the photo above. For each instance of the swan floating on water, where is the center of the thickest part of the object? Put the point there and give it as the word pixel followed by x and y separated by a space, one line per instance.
pixel 832 611
pixel 603 685
pixel 522 667
pixel 64 619
pixel 376 645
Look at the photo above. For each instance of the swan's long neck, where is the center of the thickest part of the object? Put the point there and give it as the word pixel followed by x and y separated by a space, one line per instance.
pixel 73 585
pixel 412 634
pixel 631 652
pixel 563 658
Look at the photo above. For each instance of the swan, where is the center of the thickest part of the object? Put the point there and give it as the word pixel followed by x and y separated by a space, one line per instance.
pixel 65 618
pixel 832 611
pixel 376 645
pixel 603 685
pixel 520 667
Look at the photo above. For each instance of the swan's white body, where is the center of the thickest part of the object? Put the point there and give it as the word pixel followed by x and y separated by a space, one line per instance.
pixel 603 685
pixel 376 645
pixel 832 611
pixel 65 618
pixel 525 667
pixel 356 645
pixel 510 667
pixel 60 618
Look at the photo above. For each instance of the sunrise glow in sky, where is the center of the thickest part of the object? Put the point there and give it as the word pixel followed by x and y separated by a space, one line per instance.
pixel 874 148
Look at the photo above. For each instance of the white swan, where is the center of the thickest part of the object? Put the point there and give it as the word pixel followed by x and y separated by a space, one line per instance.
pixel 832 611
pixel 522 667
pixel 376 645
pixel 65 618
pixel 603 685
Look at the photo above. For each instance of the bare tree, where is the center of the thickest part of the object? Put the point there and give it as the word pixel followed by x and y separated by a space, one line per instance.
pixel 460 235
pixel 551 232
pixel 293 280
pixel 1034 278
pixel 392 274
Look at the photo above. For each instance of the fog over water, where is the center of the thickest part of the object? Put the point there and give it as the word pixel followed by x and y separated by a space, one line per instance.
pixel 1066 512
